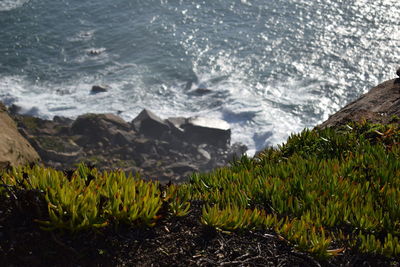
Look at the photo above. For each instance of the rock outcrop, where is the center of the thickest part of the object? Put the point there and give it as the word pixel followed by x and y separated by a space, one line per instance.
pixel 98 89
pixel 380 105
pixel 150 125
pixel 200 130
pixel 14 149
pixel 159 149
pixel 101 128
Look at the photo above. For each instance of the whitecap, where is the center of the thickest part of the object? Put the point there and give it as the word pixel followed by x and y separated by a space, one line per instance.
pixel 93 54
pixel 81 36
pixel 6 5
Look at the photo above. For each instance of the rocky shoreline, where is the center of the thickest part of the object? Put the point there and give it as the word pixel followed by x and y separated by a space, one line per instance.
pixel 165 150
pixel 168 150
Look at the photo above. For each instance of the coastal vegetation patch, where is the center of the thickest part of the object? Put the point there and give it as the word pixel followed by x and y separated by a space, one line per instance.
pixel 326 192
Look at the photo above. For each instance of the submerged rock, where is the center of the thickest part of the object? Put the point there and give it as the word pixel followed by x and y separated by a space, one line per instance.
pixel 94 52
pixel 201 91
pixel 98 89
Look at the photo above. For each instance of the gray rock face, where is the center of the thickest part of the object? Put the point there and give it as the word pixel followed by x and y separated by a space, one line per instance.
pixel 196 130
pixel 150 125
pixel 144 146
pixel 83 122
pixel 175 125
pixel 157 149
pixel 101 128
pixel 201 130
pixel 378 105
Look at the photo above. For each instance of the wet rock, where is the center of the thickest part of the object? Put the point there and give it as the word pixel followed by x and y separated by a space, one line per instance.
pixel 150 125
pixel 94 52
pixel 200 130
pixel 202 91
pixel 15 150
pixel 99 89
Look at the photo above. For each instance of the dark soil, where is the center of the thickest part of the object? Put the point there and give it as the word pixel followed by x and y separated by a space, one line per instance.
pixel 172 242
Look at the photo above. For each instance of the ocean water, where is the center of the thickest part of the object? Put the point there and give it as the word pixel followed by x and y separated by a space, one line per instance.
pixel 271 67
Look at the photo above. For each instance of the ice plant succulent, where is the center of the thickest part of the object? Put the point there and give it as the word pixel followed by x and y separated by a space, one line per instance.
pixel 323 191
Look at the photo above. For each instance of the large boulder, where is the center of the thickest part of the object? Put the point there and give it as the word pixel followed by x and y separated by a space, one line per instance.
pixel 380 105
pixel 14 149
pixel 150 125
pixel 200 130
pixel 97 128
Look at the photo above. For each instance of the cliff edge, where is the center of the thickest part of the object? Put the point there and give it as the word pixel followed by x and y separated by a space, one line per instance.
pixel 14 149
pixel 380 105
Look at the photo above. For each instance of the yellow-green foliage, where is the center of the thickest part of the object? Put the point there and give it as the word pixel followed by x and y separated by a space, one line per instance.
pixel 90 199
pixel 232 217
pixel 130 200
pixel 178 197
pixel 326 186
pixel 323 191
